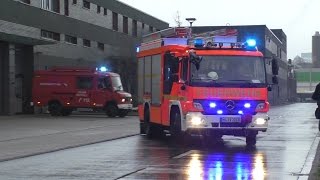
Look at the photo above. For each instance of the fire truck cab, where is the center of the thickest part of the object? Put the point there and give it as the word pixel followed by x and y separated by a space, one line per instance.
pixel 201 85
pixel 66 89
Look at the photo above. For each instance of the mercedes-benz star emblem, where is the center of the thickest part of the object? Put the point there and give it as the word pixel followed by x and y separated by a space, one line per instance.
pixel 230 104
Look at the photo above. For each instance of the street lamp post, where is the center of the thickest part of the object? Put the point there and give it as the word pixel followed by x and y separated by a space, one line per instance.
pixel 191 20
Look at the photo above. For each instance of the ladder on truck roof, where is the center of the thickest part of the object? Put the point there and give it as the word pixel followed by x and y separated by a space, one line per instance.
pixel 61 69
pixel 170 36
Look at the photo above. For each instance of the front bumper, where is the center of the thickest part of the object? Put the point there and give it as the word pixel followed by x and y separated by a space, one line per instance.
pixel 198 121
pixel 125 106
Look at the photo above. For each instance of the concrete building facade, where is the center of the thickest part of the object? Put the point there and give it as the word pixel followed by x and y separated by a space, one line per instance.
pixel 39 34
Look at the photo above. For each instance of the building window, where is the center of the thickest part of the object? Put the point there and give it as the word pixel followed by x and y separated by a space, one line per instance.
pixel 84 82
pixel 125 24
pixel 134 28
pixel 25 1
pixel 71 39
pixel 86 4
pixel 86 43
pixel 105 11
pixel 98 9
pixel 74 1
pixel 66 7
pixel 142 25
pixel 150 29
pixel 51 5
pixel 50 35
pixel 101 46
pixel 114 21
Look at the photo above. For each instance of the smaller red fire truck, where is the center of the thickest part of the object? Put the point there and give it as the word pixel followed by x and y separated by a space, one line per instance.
pixel 66 89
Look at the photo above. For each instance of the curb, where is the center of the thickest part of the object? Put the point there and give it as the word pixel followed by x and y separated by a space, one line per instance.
pixel 67 147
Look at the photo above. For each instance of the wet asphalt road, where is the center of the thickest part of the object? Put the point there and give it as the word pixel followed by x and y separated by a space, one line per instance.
pixel 285 151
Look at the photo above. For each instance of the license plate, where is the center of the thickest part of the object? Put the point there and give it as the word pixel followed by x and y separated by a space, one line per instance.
pixel 230 119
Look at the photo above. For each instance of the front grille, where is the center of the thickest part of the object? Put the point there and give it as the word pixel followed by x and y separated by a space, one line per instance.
pixel 221 105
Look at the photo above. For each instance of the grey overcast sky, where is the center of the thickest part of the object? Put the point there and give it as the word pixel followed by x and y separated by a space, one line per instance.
pixel 299 19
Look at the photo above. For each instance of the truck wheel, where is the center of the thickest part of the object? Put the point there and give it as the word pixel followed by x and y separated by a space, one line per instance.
pixel 175 124
pixel 251 139
pixel 142 128
pixel 148 128
pixel 55 109
pixel 123 113
pixel 66 112
pixel 112 110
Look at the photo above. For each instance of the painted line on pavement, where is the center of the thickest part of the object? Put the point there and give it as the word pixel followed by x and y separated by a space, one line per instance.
pixel 67 147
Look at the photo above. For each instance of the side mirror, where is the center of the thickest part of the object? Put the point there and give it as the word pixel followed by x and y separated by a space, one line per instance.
pixel 275 67
pixel 275 80
pixel 195 59
pixel 269 88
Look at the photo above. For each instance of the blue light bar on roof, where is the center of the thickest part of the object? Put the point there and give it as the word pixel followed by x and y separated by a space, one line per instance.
pixel 251 42
pixel 103 69
pixel 198 42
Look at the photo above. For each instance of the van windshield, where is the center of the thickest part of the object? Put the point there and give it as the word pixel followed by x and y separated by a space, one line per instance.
pixel 116 83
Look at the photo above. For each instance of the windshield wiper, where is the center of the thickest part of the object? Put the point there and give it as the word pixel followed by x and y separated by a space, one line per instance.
pixel 207 82
pixel 246 82
pixel 240 80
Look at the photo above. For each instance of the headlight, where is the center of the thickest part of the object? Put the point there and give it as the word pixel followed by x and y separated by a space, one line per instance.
pixel 260 121
pixel 123 100
pixel 196 119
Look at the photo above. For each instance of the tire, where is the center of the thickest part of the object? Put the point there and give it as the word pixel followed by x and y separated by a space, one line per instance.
pixel 175 124
pixel 319 124
pixel 149 129
pixel 123 113
pixel 66 112
pixel 251 139
pixel 142 128
pixel 112 110
pixel 55 109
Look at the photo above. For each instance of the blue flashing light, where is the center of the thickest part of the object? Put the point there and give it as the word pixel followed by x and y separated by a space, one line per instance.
pixel 212 105
pixel 220 112
pixel 198 42
pixel 138 49
pixel 103 69
pixel 251 42
pixel 247 105
pixel 240 112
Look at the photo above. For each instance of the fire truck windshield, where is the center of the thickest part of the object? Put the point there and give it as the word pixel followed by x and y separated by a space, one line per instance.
pixel 229 70
pixel 116 83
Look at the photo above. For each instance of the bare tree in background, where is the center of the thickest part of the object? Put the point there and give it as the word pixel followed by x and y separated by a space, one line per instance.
pixel 177 19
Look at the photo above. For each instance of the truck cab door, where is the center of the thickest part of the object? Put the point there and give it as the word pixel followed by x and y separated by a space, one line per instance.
pixel 103 92
pixel 84 89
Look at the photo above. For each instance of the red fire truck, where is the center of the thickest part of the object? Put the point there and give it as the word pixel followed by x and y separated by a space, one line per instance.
pixel 208 85
pixel 66 89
